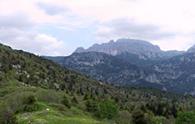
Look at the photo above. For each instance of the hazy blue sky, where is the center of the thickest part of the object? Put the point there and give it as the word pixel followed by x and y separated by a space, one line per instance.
pixel 58 27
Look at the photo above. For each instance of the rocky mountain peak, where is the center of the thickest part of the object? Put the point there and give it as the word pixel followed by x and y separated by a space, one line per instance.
pixel 191 49
pixel 79 50
pixel 138 47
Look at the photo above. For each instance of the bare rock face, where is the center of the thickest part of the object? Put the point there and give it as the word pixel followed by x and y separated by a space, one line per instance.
pixel 80 50
pixel 142 49
pixel 191 49
pixel 139 47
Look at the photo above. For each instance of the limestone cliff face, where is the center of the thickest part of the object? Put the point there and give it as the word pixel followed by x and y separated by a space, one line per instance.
pixel 143 49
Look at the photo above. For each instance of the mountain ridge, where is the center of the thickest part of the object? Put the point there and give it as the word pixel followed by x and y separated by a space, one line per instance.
pixel 143 49
pixel 128 68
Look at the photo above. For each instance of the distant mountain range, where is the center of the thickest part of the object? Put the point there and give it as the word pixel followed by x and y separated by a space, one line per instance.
pixel 138 63
pixel 142 49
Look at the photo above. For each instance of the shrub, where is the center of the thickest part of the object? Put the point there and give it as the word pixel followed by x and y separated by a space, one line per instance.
pixel 30 104
pixel 66 102
pixel 86 97
pixel 30 100
pixel 74 100
pixel 7 116
pixel 124 117
pixel 91 106
pixel 107 109
pixel 138 117
pixel 17 101
pixel 186 118
pixel 162 120
pixel 49 96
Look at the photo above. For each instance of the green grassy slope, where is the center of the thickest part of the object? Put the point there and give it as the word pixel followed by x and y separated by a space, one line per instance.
pixel 49 108
pixel 50 115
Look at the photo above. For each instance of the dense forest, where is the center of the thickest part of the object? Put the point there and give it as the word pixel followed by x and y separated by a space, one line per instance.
pixel 34 90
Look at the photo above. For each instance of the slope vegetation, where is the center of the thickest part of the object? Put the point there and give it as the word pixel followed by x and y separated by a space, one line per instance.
pixel 37 91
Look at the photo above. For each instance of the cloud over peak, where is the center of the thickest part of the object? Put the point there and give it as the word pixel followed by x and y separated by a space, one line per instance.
pixel 130 28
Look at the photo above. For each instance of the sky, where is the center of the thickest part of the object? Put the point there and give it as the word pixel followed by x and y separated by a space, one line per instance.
pixel 58 27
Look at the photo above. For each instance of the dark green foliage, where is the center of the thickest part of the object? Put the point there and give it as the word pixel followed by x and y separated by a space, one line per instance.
pixel 74 100
pixel 30 104
pixel 86 97
pixel 7 116
pixel 30 108
pixel 91 106
pixel 30 100
pixel 66 102
pixel 162 108
pixel 174 110
pixel 102 109
pixel 138 117
pixel 186 118
pixel 107 109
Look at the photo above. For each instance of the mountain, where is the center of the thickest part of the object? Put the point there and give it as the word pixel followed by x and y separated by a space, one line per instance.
pixel 165 70
pixel 191 49
pixel 142 49
pixel 175 74
pixel 178 72
pixel 102 67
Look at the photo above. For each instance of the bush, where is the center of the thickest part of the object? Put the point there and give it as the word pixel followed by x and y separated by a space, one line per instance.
pixel 49 96
pixel 66 102
pixel 74 100
pixel 107 109
pixel 138 117
pixel 91 106
pixel 30 100
pixel 18 101
pixel 124 117
pixel 7 116
pixel 186 118
pixel 162 120
pixel 29 104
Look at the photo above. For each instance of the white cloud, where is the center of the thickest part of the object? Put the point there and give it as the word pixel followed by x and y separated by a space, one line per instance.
pixel 168 23
pixel 172 16
pixel 40 44
pixel 19 20
pixel 130 29
pixel 178 42
pixel 49 45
